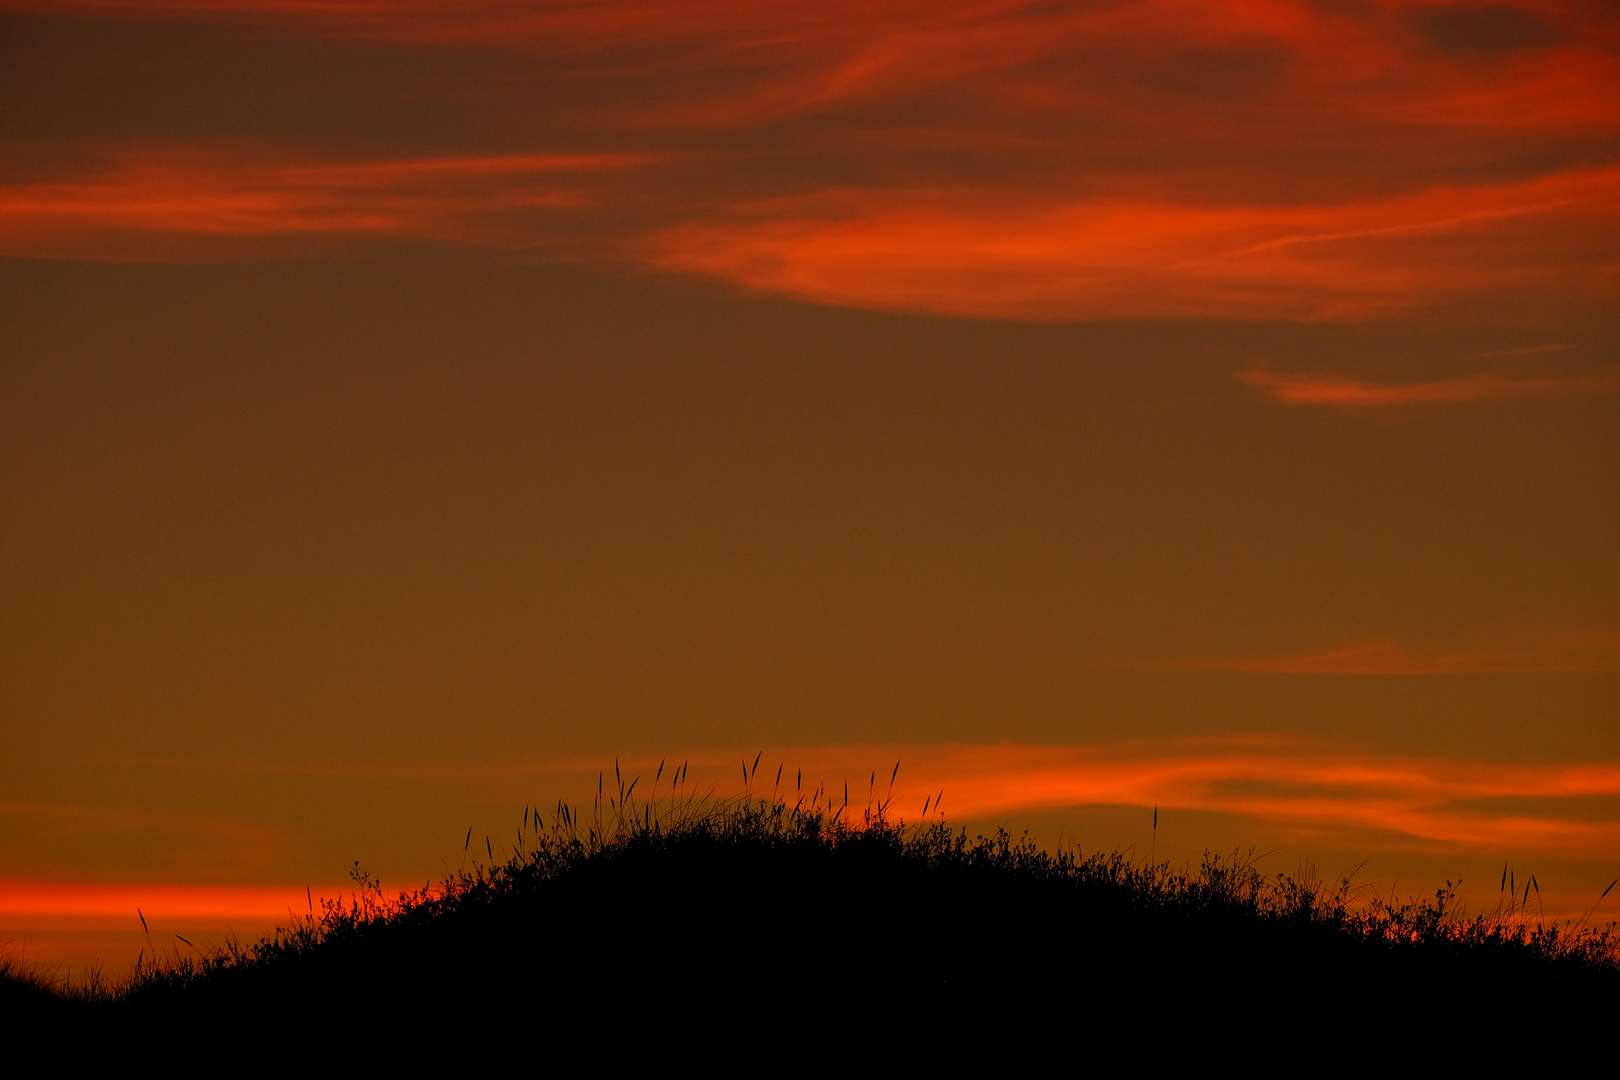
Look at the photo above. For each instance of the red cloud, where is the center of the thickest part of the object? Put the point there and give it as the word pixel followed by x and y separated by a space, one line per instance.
pixel 1113 256
pixel 1158 157
pixel 1326 390
pixel 1434 802
pixel 140 201
pixel 1385 60
pixel 915 251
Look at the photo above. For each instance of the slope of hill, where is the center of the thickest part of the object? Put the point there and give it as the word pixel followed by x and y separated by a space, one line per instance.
pixel 718 927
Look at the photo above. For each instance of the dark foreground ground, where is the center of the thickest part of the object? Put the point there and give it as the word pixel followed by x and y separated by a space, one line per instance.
pixel 722 935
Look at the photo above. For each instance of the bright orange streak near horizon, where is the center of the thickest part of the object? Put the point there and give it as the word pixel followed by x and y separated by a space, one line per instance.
pixel 155 901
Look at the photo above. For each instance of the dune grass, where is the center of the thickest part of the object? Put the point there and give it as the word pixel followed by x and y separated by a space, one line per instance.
pixel 753 912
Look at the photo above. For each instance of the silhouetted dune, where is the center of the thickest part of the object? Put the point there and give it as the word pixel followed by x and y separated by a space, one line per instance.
pixel 743 925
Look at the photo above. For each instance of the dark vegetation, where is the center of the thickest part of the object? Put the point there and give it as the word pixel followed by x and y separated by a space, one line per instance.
pixel 714 926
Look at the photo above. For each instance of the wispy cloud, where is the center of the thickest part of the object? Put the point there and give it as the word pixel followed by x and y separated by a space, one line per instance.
pixel 1031 161
pixel 960 252
pixel 1414 797
pixel 1526 350
pixel 1430 802
pixel 167 201
pixel 933 251
pixel 744 61
pixel 1310 389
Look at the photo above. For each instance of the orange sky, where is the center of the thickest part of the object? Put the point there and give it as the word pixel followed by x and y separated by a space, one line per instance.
pixel 407 407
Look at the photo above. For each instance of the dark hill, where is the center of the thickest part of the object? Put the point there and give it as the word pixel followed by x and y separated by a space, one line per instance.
pixel 744 927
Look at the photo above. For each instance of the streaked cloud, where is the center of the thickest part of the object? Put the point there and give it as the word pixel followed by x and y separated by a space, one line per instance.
pixel 1432 803
pixel 927 251
pixel 744 61
pixel 1309 389
pixel 142 202
pixel 916 251
pixel 1326 787
pixel 1043 161
pixel 1330 787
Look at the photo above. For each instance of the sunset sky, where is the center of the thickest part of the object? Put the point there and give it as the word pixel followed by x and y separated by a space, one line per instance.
pixel 410 407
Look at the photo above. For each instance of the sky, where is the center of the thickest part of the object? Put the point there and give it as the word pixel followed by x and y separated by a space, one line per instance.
pixel 411 409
